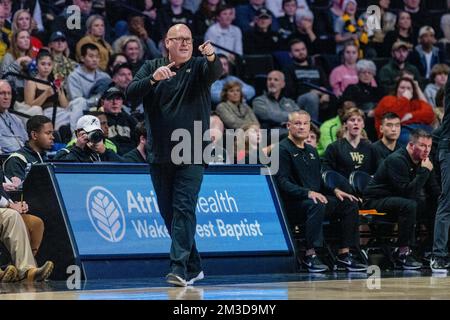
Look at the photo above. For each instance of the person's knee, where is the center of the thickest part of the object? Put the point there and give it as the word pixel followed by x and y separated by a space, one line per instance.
pixel 37 223
pixel 313 209
pixel 351 207
pixel 183 209
pixel 10 216
pixel 311 204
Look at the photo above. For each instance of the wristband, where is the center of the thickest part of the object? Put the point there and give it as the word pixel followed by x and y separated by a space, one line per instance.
pixel 209 55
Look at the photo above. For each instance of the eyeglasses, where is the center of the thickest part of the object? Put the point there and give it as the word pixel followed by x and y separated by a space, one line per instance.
pixel 181 40
pixel 5 93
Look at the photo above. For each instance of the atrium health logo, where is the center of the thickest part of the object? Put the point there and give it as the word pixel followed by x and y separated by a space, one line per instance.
pixel 106 214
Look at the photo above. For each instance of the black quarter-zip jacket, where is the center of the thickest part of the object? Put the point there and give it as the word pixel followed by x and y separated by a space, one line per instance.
pixel 299 172
pixel 177 102
pixel 15 166
pixel 399 176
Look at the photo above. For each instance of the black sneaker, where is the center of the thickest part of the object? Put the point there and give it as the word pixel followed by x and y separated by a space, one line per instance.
pixel 427 257
pixel 406 261
pixel 313 264
pixel 176 280
pixel 347 262
pixel 438 265
pixel 447 262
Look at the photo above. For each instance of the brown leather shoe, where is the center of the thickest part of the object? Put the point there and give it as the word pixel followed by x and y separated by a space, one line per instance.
pixel 9 274
pixel 39 274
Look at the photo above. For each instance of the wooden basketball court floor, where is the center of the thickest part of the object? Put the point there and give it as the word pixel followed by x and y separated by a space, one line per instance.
pixel 301 286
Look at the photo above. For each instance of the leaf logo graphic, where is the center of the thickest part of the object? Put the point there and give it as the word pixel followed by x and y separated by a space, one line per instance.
pixel 106 214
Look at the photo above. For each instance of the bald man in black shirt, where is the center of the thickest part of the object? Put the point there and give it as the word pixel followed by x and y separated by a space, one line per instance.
pixel 306 198
pixel 176 95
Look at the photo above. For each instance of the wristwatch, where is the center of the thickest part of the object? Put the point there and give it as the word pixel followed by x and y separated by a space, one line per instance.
pixel 153 79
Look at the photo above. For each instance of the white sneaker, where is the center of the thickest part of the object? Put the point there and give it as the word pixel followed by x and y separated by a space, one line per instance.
pixel 198 277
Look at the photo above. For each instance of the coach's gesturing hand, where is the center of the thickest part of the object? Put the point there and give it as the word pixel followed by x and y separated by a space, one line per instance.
pixel 163 73
pixel 207 50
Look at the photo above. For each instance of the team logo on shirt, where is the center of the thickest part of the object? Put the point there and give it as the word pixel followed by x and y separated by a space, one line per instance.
pixel 311 155
pixel 357 157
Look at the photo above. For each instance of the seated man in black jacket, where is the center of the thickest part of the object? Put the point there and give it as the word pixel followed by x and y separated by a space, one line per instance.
pixel 390 129
pixel 305 197
pixel 121 125
pixel 142 153
pixel 400 187
pixel 261 39
pixel 90 145
pixel 40 140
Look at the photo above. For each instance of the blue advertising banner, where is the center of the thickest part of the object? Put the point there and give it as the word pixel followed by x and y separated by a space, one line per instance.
pixel 117 214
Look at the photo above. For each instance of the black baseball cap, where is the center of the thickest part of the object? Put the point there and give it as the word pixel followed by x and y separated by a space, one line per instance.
pixel 112 92
pixel 121 66
pixel 263 12
pixel 57 35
